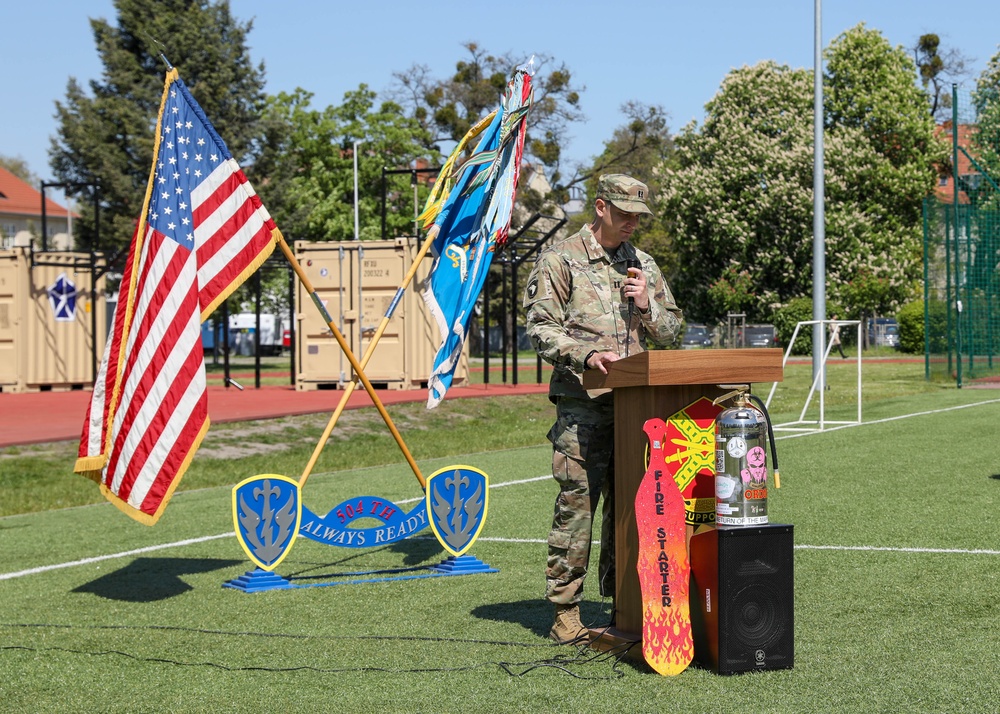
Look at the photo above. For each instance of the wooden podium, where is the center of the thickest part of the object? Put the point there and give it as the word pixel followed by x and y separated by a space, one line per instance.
pixel 659 384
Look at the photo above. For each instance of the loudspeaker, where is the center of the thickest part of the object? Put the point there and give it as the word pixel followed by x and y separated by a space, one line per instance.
pixel 741 598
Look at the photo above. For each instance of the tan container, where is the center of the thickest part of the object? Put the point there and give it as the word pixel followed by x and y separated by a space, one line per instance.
pixel 46 327
pixel 357 283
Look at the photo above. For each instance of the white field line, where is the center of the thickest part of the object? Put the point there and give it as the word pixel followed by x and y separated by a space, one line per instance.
pixel 192 541
pixel 898 550
pixel 888 419
pixel 203 539
pixel 111 556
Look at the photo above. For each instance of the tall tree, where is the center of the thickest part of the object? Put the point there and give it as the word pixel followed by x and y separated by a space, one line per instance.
pixel 106 137
pixel 986 138
pixel 448 107
pixel 938 68
pixel 19 167
pixel 874 110
pixel 740 199
pixel 306 166
pixel 984 268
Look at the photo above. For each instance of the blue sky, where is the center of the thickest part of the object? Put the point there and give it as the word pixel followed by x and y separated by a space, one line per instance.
pixel 664 52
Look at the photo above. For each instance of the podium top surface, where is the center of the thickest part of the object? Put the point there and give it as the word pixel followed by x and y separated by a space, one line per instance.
pixel 666 367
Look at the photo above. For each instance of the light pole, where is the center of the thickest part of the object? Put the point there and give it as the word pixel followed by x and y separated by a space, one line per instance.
pixel 357 234
pixel 819 221
pixel 361 252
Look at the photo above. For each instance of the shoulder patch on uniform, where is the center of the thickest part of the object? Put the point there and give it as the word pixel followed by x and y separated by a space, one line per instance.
pixel 538 289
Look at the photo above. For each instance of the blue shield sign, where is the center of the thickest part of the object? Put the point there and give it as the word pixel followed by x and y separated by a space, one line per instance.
pixel 267 510
pixel 457 500
pixel 62 298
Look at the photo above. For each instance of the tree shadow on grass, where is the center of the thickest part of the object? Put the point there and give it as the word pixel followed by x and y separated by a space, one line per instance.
pixel 152 579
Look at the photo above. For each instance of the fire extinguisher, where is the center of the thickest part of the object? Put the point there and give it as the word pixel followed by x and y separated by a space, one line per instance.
pixel 741 434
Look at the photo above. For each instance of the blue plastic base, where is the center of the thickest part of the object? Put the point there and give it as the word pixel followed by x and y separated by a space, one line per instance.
pixel 462 565
pixel 258 580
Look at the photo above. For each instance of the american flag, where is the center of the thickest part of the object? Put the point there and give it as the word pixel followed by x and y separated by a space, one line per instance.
pixel 202 233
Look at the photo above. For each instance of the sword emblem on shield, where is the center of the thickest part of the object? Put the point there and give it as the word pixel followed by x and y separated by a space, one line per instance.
pixel 267 511
pixel 457 501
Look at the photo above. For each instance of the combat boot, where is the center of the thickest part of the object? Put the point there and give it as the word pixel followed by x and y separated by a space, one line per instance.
pixel 568 628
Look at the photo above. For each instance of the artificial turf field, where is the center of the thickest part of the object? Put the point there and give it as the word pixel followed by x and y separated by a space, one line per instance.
pixel 897 595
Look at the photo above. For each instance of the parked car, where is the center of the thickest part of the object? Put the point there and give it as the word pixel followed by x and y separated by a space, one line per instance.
pixel 761 336
pixel 696 337
pixel 883 332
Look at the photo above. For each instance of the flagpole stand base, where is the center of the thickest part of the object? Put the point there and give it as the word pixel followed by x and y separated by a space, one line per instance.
pixel 462 565
pixel 258 580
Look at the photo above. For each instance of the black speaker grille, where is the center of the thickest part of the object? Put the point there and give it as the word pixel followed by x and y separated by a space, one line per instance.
pixel 756 585
pixel 757 616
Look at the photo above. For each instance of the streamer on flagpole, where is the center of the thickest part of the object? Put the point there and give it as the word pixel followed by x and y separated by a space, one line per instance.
pixel 473 217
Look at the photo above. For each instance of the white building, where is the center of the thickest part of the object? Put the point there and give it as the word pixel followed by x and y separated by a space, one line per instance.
pixel 21 216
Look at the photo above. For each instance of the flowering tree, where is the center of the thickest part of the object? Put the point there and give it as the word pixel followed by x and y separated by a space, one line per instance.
pixel 740 200
pixel 880 120
pixel 740 196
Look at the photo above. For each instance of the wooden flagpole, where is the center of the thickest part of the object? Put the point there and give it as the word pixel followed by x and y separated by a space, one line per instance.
pixel 434 204
pixel 358 370
pixel 372 343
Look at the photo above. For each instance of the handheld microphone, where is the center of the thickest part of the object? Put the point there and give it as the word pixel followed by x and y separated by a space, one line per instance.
pixel 630 263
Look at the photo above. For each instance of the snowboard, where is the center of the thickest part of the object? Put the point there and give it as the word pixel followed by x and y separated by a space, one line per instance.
pixel 663 564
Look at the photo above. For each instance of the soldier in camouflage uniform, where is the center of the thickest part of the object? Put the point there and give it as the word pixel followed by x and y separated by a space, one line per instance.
pixel 578 318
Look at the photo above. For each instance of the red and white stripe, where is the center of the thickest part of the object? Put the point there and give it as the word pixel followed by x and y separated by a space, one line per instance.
pixel 163 405
pixel 232 228
pixel 161 411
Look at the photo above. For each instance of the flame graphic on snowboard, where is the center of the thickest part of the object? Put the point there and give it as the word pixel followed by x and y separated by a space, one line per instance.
pixel 663 564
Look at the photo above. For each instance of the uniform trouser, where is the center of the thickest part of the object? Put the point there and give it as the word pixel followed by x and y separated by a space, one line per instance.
pixel 583 466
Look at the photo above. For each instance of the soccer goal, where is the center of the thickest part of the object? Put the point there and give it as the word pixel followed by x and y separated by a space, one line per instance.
pixel 819 381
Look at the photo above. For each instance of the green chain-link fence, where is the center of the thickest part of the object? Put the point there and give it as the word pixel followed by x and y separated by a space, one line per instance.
pixel 962 247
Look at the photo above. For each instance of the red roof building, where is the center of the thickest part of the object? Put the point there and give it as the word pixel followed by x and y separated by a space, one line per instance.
pixel 21 214
pixel 966 170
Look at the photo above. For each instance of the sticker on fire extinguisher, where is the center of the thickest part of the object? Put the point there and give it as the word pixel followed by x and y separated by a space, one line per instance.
pixel 724 487
pixel 720 457
pixel 737 447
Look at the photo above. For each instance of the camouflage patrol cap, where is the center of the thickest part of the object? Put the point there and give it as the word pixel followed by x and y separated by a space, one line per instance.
pixel 624 193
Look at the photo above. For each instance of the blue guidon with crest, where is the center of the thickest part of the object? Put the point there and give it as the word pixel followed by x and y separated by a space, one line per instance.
pixel 457 500
pixel 267 511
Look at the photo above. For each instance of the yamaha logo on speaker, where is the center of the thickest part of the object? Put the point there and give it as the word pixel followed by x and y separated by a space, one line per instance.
pixel 759 656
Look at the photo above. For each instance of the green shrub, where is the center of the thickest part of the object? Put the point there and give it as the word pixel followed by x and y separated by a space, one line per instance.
pixel 911 327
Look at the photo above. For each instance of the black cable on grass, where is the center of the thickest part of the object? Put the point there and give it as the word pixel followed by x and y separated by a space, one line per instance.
pixel 584 656
pixel 564 663
pixel 559 663
pixel 248 668
pixel 278 635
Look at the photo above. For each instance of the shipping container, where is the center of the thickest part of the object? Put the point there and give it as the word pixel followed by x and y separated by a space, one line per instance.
pixel 357 282
pixel 48 320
